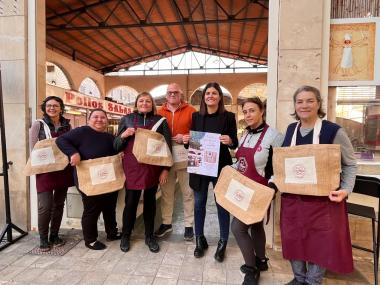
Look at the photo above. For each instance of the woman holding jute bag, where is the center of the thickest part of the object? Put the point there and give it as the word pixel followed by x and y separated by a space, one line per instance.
pixel 314 229
pixel 141 176
pixel 254 160
pixel 51 187
pixel 86 143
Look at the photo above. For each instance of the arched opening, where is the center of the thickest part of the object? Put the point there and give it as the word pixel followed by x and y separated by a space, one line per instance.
pixel 123 95
pixel 56 76
pixel 196 97
pixel 89 87
pixel 159 94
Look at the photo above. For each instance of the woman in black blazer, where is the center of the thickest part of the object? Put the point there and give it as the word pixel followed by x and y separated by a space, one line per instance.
pixel 213 118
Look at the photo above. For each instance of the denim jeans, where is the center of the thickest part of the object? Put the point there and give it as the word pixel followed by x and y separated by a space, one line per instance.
pixel 307 272
pixel 200 201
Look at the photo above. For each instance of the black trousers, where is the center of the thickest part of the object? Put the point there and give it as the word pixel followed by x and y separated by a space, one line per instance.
pixel 132 198
pixel 250 245
pixel 92 207
pixel 50 211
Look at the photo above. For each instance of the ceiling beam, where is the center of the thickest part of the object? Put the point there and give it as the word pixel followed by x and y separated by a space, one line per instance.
pixel 157 24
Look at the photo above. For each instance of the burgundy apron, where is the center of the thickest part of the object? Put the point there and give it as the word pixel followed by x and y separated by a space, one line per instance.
pixel 47 182
pixel 316 230
pixel 246 158
pixel 139 175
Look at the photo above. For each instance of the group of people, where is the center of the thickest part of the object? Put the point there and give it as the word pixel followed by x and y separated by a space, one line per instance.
pixel 314 230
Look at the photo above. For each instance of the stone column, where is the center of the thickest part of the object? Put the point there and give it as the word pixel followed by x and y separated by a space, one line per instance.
pixel 298 55
pixel 14 64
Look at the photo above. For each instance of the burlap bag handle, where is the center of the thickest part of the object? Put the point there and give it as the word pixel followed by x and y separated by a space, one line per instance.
pixel 46 129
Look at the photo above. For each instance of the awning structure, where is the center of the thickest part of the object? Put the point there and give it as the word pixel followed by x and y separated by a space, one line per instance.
pixel 112 34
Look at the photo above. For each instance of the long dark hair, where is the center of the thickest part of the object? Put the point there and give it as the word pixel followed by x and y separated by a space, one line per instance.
pixel 203 107
pixel 318 97
pixel 55 98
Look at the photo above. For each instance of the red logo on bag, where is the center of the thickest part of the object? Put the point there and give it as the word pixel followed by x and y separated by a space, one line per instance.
pixel 42 155
pixel 299 170
pixel 239 195
pixel 103 173
pixel 243 165
pixel 157 148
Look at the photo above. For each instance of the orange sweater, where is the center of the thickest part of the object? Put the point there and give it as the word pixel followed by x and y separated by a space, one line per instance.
pixel 180 121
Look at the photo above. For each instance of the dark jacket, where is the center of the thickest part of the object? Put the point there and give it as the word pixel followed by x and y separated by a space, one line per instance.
pixel 224 124
pixel 136 120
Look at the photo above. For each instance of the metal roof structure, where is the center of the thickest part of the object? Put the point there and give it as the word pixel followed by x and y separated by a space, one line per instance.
pixel 112 34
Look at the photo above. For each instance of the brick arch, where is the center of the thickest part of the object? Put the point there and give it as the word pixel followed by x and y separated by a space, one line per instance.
pixel 64 71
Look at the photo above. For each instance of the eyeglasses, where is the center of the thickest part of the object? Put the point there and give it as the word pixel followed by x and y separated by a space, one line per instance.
pixel 172 92
pixel 52 106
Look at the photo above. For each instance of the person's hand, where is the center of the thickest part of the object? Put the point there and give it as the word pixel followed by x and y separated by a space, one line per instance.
pixel 338 195
pixel 75 159
pixel 178 138
pixel 164 176
pixel 225 139
pixel 127 133
pixel 185 139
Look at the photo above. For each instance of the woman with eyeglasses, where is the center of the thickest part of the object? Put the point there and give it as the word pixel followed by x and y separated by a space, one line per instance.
pixel 51 187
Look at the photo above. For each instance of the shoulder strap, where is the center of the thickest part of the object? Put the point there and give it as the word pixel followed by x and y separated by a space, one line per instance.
pixel 156 125
pixel 46 129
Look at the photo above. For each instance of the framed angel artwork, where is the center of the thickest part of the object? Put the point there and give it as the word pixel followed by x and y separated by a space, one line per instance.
pixel 354 59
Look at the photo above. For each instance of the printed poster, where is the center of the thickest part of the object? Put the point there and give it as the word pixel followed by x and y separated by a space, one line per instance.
pixel 203 155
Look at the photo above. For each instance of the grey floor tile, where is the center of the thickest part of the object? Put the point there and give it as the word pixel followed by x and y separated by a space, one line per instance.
pixel 164 281
pixel 146 269
pixel 191 272
pixel 73 277
pixel 168 271
pixel 216 275
pixel 50 276
pixel 93 278
pixel 234 276
pixel 26 260
pixel 173 258
pixel 9 272
pixel 188 282
pixel 125 267
pixel 141 280
pixel 28 275
pixel 119 279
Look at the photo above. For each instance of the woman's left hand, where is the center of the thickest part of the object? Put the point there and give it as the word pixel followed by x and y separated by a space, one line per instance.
pixel 225 139
pixel 338 195
pixel 164 176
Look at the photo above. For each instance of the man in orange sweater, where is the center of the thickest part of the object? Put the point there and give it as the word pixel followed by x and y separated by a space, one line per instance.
pixel 178 115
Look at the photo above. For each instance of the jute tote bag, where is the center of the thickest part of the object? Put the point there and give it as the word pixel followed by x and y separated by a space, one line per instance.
pixel 101 175
pixel 312 169
pixel 180 156
pixel 244 198
pixel 45 156
pixel 150 147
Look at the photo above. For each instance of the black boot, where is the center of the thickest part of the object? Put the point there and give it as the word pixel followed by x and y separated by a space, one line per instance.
pixel 55 240
pixel 220 250
pixel 200 246
pixel 152 243
pixel 125 243
pixel 252 276
pixel 44 244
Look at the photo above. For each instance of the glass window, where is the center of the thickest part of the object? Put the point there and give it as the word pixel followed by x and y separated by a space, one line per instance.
pixel 358 112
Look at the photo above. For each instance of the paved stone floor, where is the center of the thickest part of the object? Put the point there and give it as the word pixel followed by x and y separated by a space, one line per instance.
pixel 174 264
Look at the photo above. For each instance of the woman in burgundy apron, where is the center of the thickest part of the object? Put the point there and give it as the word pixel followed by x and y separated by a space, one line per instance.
pixel 140 176
pixel 51 187
pixel 254 161
pixel 314 230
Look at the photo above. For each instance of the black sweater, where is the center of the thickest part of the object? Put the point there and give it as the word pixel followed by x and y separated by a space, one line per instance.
pixel 87 142
pixel 224 124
